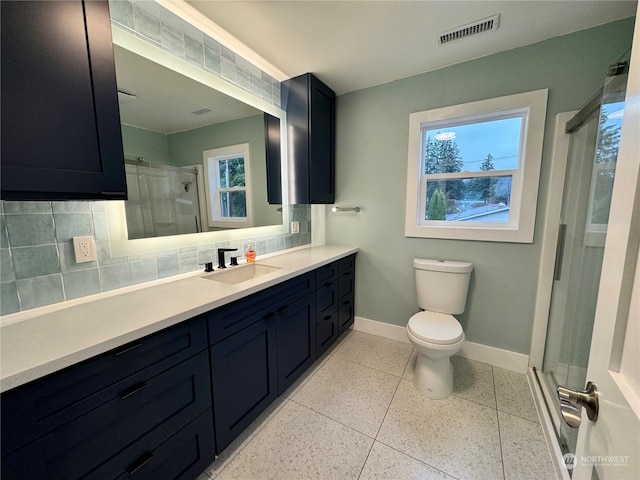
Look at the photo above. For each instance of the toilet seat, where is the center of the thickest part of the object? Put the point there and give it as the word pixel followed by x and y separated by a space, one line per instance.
pixel 437 328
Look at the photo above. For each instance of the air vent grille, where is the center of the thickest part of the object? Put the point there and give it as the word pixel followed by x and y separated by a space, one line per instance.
pixel 474 28
pixel 201 111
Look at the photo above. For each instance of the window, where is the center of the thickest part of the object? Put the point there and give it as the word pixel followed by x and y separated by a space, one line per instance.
pixel 228 186
pixel 473 169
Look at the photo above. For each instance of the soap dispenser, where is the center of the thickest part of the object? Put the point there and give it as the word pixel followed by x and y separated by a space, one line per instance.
pixel 250 253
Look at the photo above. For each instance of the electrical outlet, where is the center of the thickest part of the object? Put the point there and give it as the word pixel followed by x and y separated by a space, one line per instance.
pixel 295 227
pixel 85 249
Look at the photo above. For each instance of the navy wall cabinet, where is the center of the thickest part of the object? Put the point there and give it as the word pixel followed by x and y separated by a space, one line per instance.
pixel 61 134
pixel 310 107
pixel 114 413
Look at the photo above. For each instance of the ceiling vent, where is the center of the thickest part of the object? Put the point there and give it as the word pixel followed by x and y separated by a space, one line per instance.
pixel 480 26
pixel 202 111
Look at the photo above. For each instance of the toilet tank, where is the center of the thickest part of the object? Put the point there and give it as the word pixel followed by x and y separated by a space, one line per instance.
pixel 442 285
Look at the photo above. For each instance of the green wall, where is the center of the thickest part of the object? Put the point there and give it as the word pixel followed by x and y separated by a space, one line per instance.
pixel 371 168
pixel 138 142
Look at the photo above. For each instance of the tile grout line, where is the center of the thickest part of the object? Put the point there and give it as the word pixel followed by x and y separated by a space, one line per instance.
pixel 418 460
pixel 498 423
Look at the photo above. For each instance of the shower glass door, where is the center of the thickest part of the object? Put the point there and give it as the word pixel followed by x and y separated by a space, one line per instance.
pixel 585 211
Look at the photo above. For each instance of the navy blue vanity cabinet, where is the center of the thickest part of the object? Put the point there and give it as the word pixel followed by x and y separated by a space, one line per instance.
pixel 346 292
pixel 60 119
pixel 310 107
pixel 260 345
pixel 244 377
pixel 114 412
pixel 296 339
pixel 327 299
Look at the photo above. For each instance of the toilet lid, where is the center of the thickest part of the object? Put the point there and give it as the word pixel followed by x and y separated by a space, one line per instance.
pixel 438 328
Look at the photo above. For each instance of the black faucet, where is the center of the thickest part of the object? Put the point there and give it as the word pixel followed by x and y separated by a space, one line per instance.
pixel 221 252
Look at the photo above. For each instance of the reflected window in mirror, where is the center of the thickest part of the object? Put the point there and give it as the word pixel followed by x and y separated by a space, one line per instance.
pixel 228 183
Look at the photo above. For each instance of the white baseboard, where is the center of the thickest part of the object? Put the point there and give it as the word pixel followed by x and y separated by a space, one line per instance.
pixel 517 362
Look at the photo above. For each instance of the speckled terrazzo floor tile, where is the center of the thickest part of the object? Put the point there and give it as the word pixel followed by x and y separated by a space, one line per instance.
pixel 244 438
pixel 290 392
pixel 524 451
pixel 473 381
pixel 411 366
pixel 385 463
pixel 349 393
pixel 301 444
pixel 513 394
pixel 454 435
pixel 386 355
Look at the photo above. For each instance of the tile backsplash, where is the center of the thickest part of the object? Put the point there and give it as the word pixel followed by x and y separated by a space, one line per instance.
pixel 158 26
pixel 37 261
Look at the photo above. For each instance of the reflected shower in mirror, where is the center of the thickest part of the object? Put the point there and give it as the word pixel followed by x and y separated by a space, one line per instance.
pixel 170 126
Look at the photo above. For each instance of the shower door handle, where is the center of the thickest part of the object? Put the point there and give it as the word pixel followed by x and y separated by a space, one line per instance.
pixel 572 402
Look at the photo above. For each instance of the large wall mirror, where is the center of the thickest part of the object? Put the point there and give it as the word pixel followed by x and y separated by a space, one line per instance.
pixel 195 156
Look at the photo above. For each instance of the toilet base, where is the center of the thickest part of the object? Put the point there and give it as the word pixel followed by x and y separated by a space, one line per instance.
pixel 433 378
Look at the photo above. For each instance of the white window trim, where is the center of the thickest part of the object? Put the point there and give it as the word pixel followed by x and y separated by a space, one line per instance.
pixel 520 229
pixel 210 158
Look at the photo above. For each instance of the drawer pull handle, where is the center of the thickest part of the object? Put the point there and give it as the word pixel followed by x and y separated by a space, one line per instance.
pixel 347 302
pixel 141 462
pixel 327 284
pixel 133 390
pixel 128 349
pixel 283 309
pixel 269 315
pixel 327 317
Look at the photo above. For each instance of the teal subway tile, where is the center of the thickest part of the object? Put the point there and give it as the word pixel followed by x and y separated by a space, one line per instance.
pixel 69 225
pixel 228 54
pixel 36 261
pixel 142 256
pixel 115 276
pixel 40 291
pixel 272 244
pixel 9 301
pixel 289 241
pixel 68 259
pixel 81 283
pixel 172 39
pixel 147 23
pixel 143 271
pixel 100 226
pixel 212 60
pixel 190 248
pixel 167 265
pixel 7 274
pixel 282 242
pixel 194 50
pixel 261 247
pixel 122 12
pixel 228 70
pixel 27 207
pixel 4 240
pixel 1 207
pixel 30 229
pixel 207 255
pixel 305 238
pixel 188 262
pixel 70 207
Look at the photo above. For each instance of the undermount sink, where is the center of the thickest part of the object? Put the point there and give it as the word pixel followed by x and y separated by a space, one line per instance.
pixel 234 275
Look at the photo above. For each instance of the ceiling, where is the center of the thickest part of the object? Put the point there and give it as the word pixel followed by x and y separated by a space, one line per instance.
pixel 352 45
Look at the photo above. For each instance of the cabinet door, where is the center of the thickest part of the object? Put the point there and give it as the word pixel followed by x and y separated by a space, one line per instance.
pixel 60 119
pixel 322 176
pixel 326 333
pixel 243 375
pixel 296 327
pixel 346 291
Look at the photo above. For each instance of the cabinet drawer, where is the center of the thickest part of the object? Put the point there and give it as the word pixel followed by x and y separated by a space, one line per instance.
pixel 346 314
pixel 232 318
pixel 347 263
pixel 183 456
pixel 326 299
pixel 326 333
pixel 38 408
pixel 327 273
pixel 157 407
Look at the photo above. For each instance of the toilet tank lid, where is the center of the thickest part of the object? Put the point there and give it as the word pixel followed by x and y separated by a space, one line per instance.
pixel 442 265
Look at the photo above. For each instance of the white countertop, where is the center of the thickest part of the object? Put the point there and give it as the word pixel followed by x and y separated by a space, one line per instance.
pixel 38 342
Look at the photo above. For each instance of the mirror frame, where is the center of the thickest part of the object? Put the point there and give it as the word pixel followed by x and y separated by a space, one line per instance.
pixel 116 220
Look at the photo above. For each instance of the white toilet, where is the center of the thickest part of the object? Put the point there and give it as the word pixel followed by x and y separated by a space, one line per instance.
pixel 442 292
